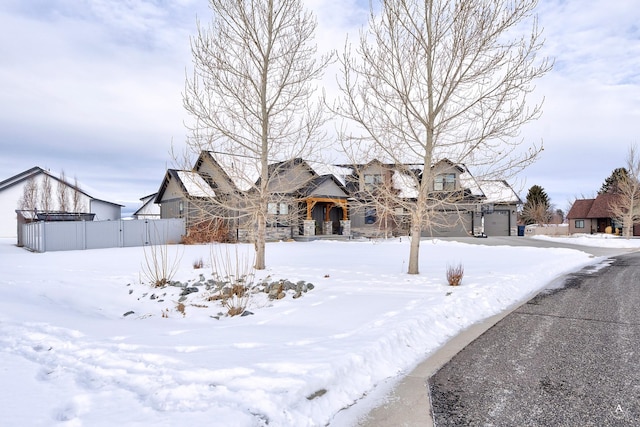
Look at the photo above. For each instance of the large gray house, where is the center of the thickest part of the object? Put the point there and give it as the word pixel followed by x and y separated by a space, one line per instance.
pixel 310 199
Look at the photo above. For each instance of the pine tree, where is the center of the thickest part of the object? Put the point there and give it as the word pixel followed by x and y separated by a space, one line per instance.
pixel 536 209
pixel 611 184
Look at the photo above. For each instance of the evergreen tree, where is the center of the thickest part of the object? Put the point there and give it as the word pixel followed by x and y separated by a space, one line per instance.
pixel 537 207
pixel 611 184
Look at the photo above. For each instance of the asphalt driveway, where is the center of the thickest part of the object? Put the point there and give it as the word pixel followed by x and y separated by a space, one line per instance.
pixel 568 357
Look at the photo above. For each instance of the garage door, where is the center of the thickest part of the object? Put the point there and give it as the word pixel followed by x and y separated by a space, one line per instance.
pixel 451 225
pixel 496 223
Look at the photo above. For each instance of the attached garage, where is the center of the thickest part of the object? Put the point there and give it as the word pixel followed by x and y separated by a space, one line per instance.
pixel 451 225
pixel 497 223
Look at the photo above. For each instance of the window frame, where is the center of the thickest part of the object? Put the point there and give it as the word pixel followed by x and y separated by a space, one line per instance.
pixel 444 182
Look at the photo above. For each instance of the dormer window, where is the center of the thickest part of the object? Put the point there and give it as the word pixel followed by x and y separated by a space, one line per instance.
pixel 445 182
pixel 372 180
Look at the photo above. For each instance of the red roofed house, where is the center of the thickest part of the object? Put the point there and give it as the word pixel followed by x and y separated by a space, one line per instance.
pixel 594 216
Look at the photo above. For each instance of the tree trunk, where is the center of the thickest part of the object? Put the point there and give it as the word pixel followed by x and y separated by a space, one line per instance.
pixel 260 242
pixel 414 251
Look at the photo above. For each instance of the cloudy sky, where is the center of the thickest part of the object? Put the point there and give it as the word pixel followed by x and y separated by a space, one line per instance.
pixel 93 87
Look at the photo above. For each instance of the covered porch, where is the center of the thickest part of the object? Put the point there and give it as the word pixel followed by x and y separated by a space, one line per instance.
pixel 326 216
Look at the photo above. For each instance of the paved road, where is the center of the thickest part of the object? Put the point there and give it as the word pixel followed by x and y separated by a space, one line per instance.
pixel 408 404
pixel 568 357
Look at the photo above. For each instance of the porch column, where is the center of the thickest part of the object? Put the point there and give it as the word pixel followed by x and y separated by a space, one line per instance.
pixel 345 226
pixel 309 227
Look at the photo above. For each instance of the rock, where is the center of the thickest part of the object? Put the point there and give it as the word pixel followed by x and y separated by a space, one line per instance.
pixel 128 313
pixel 189 290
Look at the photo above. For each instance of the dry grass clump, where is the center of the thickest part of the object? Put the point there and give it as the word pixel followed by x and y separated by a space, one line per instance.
pixel 455 274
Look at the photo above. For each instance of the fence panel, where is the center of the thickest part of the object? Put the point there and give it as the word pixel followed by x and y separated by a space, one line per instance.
pixel 74 235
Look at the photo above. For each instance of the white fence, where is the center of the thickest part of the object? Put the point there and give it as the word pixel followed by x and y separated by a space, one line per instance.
pixel 74 235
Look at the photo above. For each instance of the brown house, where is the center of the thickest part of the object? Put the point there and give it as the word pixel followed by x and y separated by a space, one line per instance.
pixel 594 216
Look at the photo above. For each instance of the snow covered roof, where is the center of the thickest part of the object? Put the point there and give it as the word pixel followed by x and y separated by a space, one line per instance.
pixel 405 184
pixel 499 191
pixel 469 182
pixel 339 172
pixel 195 185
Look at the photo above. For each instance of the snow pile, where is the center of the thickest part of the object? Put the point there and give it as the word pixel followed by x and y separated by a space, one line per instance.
pixel 595 240
pixel 68 348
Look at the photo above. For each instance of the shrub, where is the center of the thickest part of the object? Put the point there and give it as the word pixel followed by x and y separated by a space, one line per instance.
pixel 159 267
pixel 455 274
pixel 213 230
pixel 198 263
pixel 236 272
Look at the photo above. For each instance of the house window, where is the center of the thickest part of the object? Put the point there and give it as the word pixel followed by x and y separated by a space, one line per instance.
pixel 372 180
pixel 445 182
pixel 278 214
pixel 370 216
pixel 579 223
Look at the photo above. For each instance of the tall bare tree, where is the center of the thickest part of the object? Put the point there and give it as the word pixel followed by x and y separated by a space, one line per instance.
pixel 625 207
pixel 76 197
pixel 440 79
pixel 62 192
pixel 29 199
pixel 46 196
pixel 252 95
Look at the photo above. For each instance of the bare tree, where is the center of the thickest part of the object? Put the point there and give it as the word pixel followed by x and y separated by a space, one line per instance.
pixel 438 79
pixel 62 193
pixel 536 212
pixel 29 200
pixel 625 207
pixel 251 97
pixel 76 197
pixel 46 196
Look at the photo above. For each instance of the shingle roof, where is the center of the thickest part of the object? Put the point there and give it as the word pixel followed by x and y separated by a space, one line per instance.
pixel 580 209
pixel 600 207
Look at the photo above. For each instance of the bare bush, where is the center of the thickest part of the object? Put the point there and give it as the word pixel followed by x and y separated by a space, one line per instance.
pixel 207 231
pixel 236 273
pixel 159 266
pixel 455 274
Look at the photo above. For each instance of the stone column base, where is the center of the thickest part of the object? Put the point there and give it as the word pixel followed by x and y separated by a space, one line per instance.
pixel 345 226
pixel 309 227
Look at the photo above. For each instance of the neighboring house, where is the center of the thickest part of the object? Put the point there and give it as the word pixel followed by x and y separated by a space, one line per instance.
pixel 44 188
pixel 149 209
pixel 594 216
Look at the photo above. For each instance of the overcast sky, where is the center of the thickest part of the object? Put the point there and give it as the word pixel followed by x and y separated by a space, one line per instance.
pixel 93 87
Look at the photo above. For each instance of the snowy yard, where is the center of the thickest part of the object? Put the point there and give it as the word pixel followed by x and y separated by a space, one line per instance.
pixel 71 357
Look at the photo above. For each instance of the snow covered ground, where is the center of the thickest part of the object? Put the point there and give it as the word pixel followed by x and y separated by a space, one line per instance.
pixel 70 356
pixel 596 240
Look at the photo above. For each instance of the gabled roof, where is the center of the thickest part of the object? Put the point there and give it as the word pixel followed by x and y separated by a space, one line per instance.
pixel 499 191
pixel 191 184
pixel 600 207
pixel 312 185
pixel 35 171
pixel 147 204
pixel 580 209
